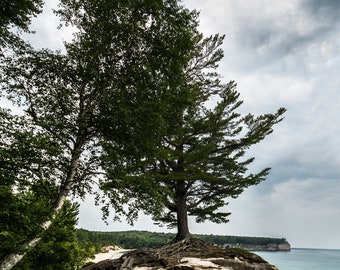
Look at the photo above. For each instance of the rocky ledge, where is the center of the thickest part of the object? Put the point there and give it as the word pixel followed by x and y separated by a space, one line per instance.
pixel 269 247
pixel 187 255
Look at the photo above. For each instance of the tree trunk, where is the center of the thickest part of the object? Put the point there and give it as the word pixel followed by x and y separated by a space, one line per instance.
pixel 10 260
pixel 182 213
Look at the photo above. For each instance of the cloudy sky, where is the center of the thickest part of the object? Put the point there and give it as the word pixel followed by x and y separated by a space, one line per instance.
pixel 286 53
pixel 281 54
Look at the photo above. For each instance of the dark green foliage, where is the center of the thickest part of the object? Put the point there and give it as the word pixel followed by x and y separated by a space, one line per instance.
pixel 135 51
pixel 128 239
pixel 26 196
pixel 59 248
pixel 16 14
pixel 20 218
pixel 246 240
pixel 19 13
pixel 27 192
pixel 107 82
pixel 145 239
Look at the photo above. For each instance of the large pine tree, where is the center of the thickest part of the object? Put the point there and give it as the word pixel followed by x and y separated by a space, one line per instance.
pixel 199 160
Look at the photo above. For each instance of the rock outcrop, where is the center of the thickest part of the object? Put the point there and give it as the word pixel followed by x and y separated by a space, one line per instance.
pixel 187 255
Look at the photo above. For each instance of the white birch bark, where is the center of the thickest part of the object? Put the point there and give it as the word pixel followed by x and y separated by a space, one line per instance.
pixel 10 260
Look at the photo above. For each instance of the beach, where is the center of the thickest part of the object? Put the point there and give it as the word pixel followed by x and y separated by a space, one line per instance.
pixel 111 254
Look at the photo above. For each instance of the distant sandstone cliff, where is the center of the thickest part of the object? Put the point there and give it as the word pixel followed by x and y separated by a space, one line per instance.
pixel 269 247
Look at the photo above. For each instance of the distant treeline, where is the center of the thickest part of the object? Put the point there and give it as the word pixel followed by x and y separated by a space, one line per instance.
pixel 145 239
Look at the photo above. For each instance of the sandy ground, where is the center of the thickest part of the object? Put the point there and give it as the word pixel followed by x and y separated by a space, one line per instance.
pixel 112 254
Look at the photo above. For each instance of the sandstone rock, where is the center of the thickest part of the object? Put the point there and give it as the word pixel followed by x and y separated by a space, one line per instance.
pixel 269 247
pixel 104 265
pixel 284 247
pixel 108 248
pixel 186 255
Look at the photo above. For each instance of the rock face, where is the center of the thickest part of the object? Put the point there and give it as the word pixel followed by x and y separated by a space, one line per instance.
pixel 284 247
pixel 269 247
pixel 214 263
pixel 186 255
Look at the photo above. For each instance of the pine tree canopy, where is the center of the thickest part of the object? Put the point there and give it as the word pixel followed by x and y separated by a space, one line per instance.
pixel 198 162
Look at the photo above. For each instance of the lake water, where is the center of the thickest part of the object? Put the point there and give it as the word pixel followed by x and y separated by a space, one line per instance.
pixel 304 259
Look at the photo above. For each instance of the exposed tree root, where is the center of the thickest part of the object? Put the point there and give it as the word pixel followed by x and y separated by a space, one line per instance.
pixel 181 247
pixel 171 255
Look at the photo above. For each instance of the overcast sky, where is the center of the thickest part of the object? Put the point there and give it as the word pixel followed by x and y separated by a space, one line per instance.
pixel 285 53
pixel 281 54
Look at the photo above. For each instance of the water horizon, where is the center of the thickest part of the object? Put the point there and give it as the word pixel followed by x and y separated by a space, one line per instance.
pixel 315 248
pixel 303 258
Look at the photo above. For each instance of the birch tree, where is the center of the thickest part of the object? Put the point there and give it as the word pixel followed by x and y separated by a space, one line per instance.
pixel 119 65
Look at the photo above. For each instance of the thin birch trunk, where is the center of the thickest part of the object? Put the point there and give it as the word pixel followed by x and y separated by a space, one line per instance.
pixel 10 260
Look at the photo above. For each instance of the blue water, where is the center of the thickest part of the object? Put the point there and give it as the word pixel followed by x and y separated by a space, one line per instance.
pixel 304 259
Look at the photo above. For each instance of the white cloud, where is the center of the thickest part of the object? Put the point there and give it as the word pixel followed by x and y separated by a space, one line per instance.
pixel 46 27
